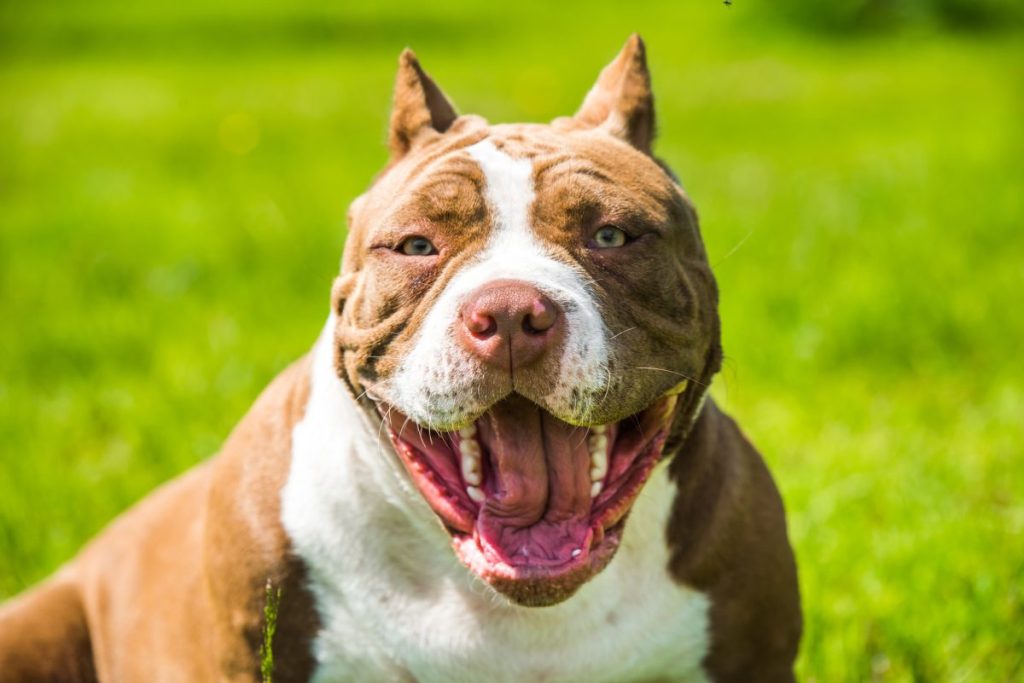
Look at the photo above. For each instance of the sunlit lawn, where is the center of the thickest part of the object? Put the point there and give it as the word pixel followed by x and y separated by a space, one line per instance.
pixel 172 199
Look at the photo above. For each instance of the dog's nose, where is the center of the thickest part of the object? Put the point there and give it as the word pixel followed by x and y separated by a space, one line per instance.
pixel 509 324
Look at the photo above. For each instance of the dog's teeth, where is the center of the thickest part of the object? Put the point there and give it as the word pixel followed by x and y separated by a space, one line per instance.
pixel 678 389
pixel 598 429
pixel 470 451
pixel 476 494
pixel 598 457
pixel 595 489
pixel 576 552
pixel 598 465
pixel 470 475
pixel 468 432
pixel 471 470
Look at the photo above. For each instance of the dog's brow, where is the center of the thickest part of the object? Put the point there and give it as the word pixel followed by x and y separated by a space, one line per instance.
pixel 554 169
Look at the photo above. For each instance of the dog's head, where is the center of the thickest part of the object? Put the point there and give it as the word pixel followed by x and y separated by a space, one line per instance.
pixel 530 311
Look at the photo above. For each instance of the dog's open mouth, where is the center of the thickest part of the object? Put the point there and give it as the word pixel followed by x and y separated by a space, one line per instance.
pixel 535 506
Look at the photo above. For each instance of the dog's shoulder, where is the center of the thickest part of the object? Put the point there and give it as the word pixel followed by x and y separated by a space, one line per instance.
pixel 727 537
pixel 192 562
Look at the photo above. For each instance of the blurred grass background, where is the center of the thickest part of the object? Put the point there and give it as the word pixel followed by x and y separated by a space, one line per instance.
pixel 173 185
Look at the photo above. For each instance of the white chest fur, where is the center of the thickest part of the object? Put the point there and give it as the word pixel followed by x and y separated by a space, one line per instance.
pixel 396 605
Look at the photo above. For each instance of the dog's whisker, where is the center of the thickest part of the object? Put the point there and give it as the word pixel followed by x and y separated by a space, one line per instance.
pixel 618 334
pixel 734 249
pixel 672 372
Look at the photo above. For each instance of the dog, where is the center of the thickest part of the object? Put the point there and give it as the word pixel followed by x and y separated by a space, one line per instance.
pixel 497 463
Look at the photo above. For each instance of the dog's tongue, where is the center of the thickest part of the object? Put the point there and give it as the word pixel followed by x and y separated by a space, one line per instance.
pixel 538 507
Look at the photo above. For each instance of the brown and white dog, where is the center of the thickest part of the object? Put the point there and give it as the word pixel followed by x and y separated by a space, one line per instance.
pixel 496 464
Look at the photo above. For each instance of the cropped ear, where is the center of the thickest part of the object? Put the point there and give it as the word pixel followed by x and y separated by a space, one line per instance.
pixel 420 109
pixel 621 101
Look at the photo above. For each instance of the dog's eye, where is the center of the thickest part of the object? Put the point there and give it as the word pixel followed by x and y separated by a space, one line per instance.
pixel 609 237
pixel 416 246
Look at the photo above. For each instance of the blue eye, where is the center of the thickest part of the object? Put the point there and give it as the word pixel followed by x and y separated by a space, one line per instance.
pixel 416 245
pixel 609 237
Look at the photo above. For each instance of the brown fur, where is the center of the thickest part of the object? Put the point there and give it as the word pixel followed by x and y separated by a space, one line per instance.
pixel 727 535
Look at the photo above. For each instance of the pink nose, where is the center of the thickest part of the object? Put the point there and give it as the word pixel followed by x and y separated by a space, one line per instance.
pixel 509 324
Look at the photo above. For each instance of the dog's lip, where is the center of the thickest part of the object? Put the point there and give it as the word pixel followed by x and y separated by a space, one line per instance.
pixel 600 550
pixel 434 468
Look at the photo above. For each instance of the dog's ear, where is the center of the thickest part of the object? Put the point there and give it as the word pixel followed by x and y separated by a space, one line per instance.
pixel 420 109
pixel 621 101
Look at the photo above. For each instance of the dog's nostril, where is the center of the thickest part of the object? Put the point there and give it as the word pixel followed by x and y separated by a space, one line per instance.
pixel 480 324
pixel 541 318
pixel 529 328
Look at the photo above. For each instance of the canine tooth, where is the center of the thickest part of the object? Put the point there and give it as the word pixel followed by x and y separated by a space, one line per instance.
pixel 471 470
pixel 468 431
pixel 595 489
pixel 476 494
pixel 678 389
pixel 470 447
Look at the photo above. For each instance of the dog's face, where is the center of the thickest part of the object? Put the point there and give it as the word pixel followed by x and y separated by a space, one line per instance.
pixel 530 312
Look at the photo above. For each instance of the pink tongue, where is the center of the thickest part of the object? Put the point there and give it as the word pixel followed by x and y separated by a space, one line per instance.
pixel 537 510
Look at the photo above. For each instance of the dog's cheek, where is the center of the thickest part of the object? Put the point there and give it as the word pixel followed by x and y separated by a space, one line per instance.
pixel 341 290
pixel 356 333
pixel 663 324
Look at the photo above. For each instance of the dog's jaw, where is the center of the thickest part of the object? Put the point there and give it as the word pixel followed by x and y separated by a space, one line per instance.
pixel 535 506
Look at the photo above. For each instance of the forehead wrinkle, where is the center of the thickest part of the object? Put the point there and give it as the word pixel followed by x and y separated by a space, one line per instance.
pixel 448 189
pixel 578 176
pixel 524 140
pixel 443 188
pixel 445 159
pixel 628 195
pixel 449 163
pixel 558 167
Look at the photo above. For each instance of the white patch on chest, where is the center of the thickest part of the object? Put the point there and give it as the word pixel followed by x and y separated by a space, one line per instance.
pixel 396 605
pixel 513 251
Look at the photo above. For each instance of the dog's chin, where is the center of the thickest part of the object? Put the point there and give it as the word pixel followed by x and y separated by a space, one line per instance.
pixel 535 506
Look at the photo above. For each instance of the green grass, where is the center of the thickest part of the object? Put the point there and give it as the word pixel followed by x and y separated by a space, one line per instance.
pixel 173 185
pixel 270 610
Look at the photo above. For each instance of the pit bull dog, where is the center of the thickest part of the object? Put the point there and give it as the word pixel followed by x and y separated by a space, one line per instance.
pixel 497 463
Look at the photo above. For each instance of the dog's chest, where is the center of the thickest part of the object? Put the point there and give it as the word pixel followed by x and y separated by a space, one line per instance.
pixel 639 642
pixel 631 623
pixel 396 605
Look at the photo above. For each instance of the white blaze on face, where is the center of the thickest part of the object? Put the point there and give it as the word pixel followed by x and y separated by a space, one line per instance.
pixel 435 384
